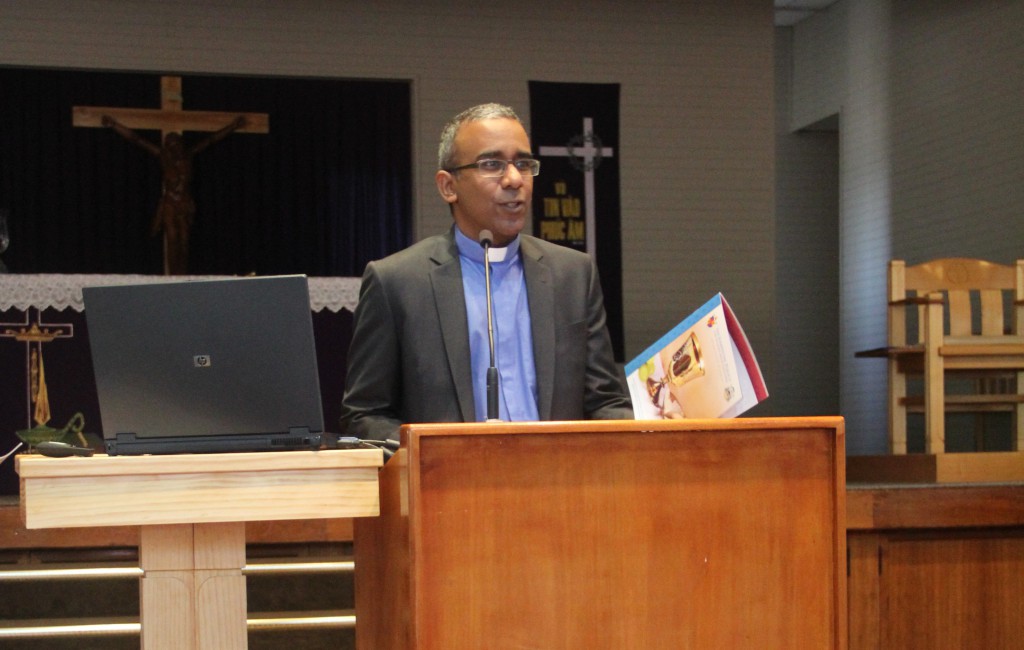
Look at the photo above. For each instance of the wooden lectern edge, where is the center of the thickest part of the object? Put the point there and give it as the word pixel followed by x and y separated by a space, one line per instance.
pixel 622 426
pixel 37 466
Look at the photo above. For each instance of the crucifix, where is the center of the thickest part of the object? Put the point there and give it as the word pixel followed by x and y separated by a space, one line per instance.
pixel 585 153
pixel 177 208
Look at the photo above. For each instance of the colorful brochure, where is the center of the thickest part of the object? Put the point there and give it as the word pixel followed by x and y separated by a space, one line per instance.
pixel 702 368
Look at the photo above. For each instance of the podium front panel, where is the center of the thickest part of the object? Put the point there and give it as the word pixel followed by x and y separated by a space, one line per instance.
pixel 615 535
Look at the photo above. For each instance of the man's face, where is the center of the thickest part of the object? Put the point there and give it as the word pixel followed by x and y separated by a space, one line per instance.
pixel 497 204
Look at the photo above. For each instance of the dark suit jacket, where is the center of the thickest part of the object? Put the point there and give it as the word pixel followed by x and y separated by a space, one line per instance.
pixel 409 358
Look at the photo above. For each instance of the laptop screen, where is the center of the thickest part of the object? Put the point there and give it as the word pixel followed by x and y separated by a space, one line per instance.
pixel 205 365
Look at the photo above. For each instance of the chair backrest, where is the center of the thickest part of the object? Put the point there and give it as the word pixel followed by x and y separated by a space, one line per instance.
pixel 964 283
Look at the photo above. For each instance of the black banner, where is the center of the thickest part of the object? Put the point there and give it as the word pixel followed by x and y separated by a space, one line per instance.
pixel 575 135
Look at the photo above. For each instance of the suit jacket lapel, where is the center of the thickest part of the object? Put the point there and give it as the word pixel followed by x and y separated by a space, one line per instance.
pixel 450 300
pixel 541 296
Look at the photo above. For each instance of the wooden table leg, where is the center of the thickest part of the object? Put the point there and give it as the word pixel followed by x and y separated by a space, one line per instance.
pixel 192 590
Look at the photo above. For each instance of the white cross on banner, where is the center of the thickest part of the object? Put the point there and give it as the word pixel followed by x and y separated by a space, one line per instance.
pixel 591 155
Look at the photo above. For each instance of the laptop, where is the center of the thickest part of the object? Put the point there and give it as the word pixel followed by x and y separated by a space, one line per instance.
pixel 205 365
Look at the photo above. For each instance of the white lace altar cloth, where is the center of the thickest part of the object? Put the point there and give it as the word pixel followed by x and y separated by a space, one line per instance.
pixel 60 291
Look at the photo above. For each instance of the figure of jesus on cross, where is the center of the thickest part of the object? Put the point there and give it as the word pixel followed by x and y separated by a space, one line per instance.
pixel 176 210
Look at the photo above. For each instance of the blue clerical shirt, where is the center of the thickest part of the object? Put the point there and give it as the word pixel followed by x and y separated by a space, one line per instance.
pixel 513 339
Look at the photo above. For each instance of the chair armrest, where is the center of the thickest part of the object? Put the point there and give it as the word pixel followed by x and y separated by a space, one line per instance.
pixel 930 299
pixel 889 352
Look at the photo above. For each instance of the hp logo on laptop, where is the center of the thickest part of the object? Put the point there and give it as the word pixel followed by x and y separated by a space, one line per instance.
pixel 202 361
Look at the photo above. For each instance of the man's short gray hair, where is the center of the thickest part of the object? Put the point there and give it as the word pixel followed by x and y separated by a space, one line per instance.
pixel 446 150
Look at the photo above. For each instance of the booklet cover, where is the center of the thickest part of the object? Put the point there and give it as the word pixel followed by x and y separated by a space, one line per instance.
pixel 702 368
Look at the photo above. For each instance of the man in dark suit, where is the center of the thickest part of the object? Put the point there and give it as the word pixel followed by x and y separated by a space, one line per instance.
pixel 420 350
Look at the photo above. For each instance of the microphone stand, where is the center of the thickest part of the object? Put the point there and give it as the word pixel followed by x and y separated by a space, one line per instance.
pixel 486 238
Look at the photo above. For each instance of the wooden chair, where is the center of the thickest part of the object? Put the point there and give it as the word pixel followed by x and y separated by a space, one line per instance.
pixel 962 329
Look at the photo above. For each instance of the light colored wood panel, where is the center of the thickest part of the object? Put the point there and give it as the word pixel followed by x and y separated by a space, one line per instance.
pixel 220 545
pixel 168 592
pixel 220 610
pixel 152 490
pixel 150 500
pixel 166 548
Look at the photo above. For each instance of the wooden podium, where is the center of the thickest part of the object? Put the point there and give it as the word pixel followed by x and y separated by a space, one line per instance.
pixel 192 511
pixel 625 535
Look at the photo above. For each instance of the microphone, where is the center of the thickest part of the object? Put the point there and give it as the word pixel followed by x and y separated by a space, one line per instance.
pixel 486 239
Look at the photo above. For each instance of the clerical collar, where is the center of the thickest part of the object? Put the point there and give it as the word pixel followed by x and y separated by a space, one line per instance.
pixel 474 251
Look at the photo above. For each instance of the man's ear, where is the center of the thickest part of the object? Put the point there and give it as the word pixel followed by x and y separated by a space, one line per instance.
pixel 446 186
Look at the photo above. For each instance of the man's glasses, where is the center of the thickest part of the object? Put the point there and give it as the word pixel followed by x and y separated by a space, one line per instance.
pixel 494 168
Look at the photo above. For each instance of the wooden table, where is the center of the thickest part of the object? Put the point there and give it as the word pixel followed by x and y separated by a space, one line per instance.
pixel 192 511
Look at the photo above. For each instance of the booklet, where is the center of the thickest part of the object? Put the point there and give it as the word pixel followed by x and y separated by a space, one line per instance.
pixel 702 368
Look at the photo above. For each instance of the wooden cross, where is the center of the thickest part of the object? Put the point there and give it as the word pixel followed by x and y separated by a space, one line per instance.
pixel 176 209
pixel 170 117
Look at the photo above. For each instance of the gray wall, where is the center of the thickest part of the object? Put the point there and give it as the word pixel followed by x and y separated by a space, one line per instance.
pixel 806 380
